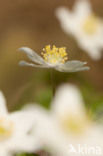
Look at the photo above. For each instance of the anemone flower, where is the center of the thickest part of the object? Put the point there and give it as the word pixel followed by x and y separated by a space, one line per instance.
pixel 66 127
pixel 53 58
pixel 84 25
pixel 16 130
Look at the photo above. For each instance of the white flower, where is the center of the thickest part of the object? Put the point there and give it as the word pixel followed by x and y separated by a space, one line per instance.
pixel 83 24
pixel 67 124
pixel 16 130
pixel 53 58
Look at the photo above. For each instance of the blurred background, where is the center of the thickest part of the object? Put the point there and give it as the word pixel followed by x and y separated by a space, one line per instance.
pixel 33 23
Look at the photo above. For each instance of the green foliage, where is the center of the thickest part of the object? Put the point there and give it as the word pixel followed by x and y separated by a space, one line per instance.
pixel 93 100
pixel 25 154
pixel 44 97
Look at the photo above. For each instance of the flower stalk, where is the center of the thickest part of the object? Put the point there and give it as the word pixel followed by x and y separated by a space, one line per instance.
pixel 52 81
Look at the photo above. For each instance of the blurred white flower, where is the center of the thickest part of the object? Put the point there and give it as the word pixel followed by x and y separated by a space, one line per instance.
pixel 84 25
pixel 16 130
pixel 53 58
pixel 68 124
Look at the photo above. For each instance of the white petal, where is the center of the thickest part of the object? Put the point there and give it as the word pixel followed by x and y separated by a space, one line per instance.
pixel 3 108
pixel 82 8
pixel 66 19
pixel 27 120
pixel 24 63
pixel 68 100
pixel 72 66
pixel 95 53
pixel 24 144
pixel 95 135
pixel 32 55
pixel 24 121
pixel 4 152
pixel 71 20
pixel 26 124
pixel 75 63
pixel 45 128
pixel 91 46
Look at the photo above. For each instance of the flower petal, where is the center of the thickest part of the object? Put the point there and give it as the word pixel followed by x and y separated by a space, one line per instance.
pixel 91 46
pixel 66 19
pixel 24 144
pixel 68 100
pixel 24 63
pixel 46 129
pixel 82 8
pixel 75 63
pixel 27 123
pixel 24 121
pixel 32 55
pixel 94 52
pixel 3 152
pixel 72 66
pixel 3 108
pixel 72 70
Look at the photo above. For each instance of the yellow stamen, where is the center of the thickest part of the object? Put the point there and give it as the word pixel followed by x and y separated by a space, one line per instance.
pixel 54 55
pixel 90 25
pixel 74 125
pixel 6 129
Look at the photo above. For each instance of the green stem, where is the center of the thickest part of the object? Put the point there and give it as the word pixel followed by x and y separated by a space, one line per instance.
pixel 52 80
pixel 43 153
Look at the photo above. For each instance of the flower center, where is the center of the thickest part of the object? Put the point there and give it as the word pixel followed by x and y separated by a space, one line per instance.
pixel 6 129
pixel 54 55
pixel 90 25
pixel 74 125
